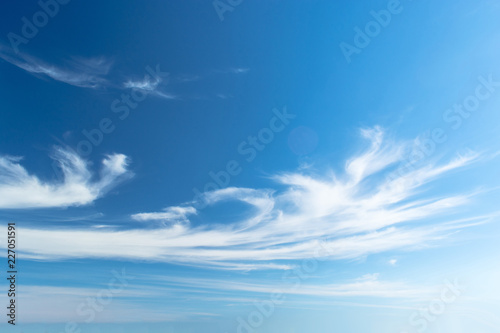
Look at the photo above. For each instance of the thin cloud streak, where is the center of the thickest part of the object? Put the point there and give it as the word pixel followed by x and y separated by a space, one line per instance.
pixel 149 86
pixel 170 214
pixel 369 285
pixel 79 72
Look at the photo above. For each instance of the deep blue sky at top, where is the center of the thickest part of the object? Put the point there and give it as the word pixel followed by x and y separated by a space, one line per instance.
pixel 291 49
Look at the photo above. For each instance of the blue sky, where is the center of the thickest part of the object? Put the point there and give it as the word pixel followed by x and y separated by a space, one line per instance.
pixel 252 166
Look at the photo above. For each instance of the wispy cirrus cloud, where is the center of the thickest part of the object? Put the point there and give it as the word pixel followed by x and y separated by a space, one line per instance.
pixel 368 285
pixel 93 73
pixel 79 72
pixel 149 85
pixel 83 72
pixel 362 211
pixel 207 292
pixel 170 214
pixel 20 189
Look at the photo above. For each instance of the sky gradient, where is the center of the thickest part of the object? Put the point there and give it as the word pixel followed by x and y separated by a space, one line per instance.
pixel 251 166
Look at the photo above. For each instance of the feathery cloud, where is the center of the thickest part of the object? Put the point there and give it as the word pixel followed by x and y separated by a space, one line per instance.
pixel 363 211
pixel 79 72
pixel 149 85
pixel 20 189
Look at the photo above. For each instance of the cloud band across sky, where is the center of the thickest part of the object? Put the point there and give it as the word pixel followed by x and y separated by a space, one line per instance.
pixel 364 210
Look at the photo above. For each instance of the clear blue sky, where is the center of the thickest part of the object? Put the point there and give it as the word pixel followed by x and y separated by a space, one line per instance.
pixel 251 166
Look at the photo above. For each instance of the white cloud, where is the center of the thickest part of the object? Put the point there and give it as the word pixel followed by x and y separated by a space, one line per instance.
pixel 20 189
pixel 362 211
pixel 170 214
pixel 80 72
pixel 149 86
